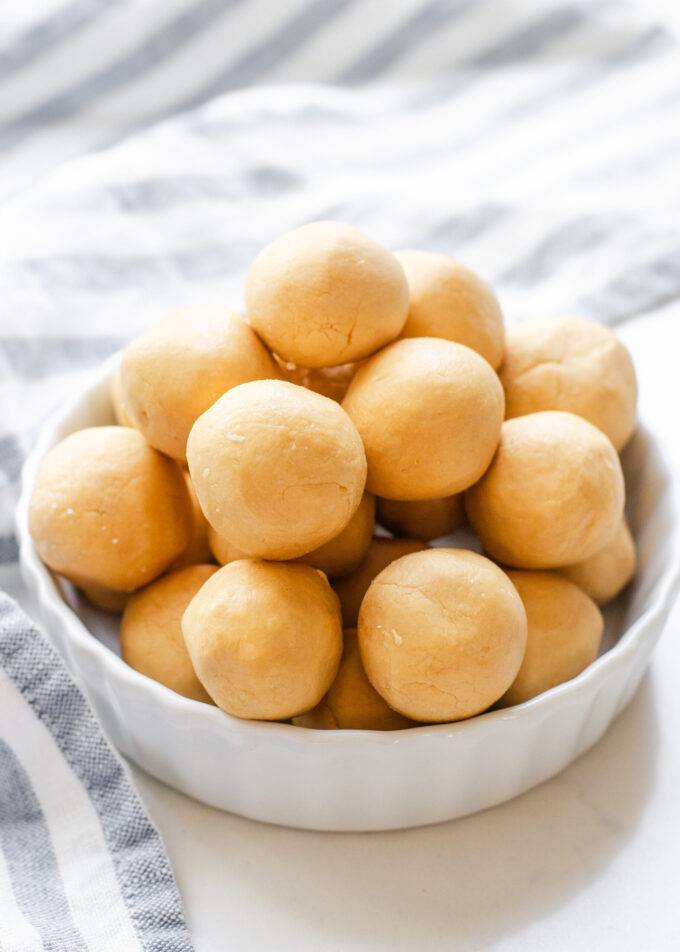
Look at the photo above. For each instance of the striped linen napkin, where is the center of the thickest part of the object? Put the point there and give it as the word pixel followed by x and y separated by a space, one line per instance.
pixel 81 867
pixel 148 150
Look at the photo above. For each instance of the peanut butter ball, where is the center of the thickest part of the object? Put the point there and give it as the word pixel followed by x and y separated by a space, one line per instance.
pixel 552 496
pixel 564 632
pixel 108 511
pixel 199 549
pixel 344 552
pixel 326 294
pixel 606 573
pixel 429 413
pixel 174 371
pixel 330 382
pixel 106 599
pixel 341 555
pixel 448 300
pixel 352 703
pixel 265 638
pixel 222 549
pixel 424 519
pixel 351 588
pixel 278 470
pixel 571 364
pixel 151 639
pixel 120 414
pixel 442 634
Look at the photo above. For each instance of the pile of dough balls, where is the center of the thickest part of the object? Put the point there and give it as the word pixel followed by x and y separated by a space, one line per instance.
pixel 360 506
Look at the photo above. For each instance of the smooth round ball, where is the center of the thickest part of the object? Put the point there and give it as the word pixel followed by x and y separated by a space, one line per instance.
pixel 564 632
pixel 120 414
pixel 265 638
pixel 429 413
pixel 442 634
pixel 326 294
pixel 174 371
pixel 222 549
pixel 352 703
pixel 553 495
pixel 448 300
pixel 424 519
pixel 198 550
pixel 606 573
pixel 330 382
pixel 341 555
pixel 351 588
pixel 344 552
pixel 108 511
pixel 106 599
pixel 575 365
pixel 151 639
pixel 279 470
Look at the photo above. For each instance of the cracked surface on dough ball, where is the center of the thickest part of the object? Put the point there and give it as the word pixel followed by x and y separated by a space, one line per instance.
pixel 351 588
pixel 326 294
pixel 553 494
pixel 442 634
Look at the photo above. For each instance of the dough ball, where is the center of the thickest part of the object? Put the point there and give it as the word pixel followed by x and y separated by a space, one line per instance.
pixel 423 518
pixel 564 632
pixel 174 371
pixel 442 634
pixel 575 365
pixel 151 639
pixel 448 300
pixel 429 413
pixel 120 414
pixel 341 555
pixel 331 382
pixel 107 599
pixel 352 703
pixel 222 549
pixel 265 638
pixel 199 549
pixel 108 511
pixel 352 588
pixel 279 470
pixel 326 294
pixel 606 573
pixel 552 496
pixel 344 552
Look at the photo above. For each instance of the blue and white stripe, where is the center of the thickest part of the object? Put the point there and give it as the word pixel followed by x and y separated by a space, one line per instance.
pixel 81 867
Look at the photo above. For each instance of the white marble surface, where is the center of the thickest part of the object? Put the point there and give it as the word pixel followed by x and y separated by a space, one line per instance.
pixel 589 860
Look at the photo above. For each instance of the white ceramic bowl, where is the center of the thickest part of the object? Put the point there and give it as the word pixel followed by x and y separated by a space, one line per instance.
pixel 362 780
